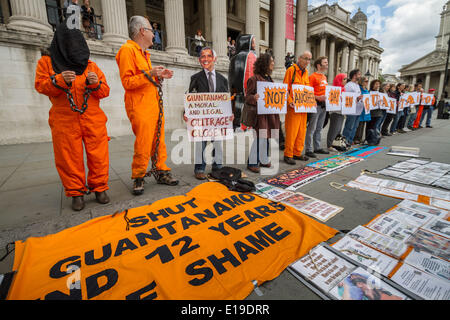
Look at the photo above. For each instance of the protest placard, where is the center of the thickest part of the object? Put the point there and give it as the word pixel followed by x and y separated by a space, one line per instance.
pixel 333 100
pixel 392 106
pixel 374 100
pixel 210 129
pixel 383 101
pixel 205 105
pixel 304 99
pixel 427 99
pixel 272 97
pixel 411 99
pixel 367 104
pixel 349 102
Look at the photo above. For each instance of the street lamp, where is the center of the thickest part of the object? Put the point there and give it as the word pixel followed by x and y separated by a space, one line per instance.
pixel 368 75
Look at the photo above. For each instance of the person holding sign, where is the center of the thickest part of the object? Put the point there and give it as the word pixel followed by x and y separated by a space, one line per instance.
pixel 397 94
pixel 295 123
pixel 365 115
pixel 419 112
pixel 389 116
pixel 143 103
pixel 352 121
pixel 318 81
pixel 265 123
pixel 372 135
pixel 207 80
pixel 334 138
pixel 428 110
pixel 413 115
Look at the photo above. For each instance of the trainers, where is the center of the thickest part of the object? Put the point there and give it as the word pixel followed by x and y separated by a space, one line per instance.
pixel 138 187
pixel 102 197
pixel 310 154
pixel 321 151
pixel 77 203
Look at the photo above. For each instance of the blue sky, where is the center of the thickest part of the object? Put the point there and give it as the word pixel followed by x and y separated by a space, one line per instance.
pixel 406 29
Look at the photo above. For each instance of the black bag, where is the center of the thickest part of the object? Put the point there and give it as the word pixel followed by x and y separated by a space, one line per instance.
pixel 232 179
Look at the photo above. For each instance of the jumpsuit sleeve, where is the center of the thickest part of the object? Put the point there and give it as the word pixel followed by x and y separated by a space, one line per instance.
pixel 43 83
pixel 130 80
pixel 103 92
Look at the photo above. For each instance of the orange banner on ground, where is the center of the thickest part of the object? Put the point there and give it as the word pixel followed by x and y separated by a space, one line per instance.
pixel 208 244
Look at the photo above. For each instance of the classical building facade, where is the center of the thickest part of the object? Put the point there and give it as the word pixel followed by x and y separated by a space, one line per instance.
pixel 430 69
pixel 26 26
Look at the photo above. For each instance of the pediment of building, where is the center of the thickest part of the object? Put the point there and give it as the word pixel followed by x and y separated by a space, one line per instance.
pixel 434 58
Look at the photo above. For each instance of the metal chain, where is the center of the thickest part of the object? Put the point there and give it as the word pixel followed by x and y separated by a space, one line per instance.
pixel 73 105
pixel 157 174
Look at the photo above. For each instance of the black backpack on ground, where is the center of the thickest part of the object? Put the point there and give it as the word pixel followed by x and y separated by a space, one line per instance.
pixel 232 179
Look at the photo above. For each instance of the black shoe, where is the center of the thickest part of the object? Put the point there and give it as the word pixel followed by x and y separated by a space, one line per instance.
pixel 386 134
pixel 282 146
pixel 138 188
pixel 419 127
pixel 401 131
pixel 78 203
pixel 301 158
pixel 102 197
pixel 310 154
pixel 289 160
pixel 429 127
pixel 321 151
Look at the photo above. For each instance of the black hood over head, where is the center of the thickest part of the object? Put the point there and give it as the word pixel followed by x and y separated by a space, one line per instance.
pixel 244 42
pixel 69 50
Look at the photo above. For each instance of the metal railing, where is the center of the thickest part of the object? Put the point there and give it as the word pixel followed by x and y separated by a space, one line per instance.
pixel 57 15
pixel 193 48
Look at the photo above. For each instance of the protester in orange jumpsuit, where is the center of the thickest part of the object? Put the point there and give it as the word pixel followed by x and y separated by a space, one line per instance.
pixel 142 102
pixel 295 123
pixel 71 69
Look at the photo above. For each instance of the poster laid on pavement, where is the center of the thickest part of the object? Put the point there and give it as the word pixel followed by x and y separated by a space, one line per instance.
pixel 429 263
pixel 272 97
pixel 365 152
pixel 386 244
pixel 295 178
pixel 333 98
pixel 443 182
pixel 438 226
pixel 440 203
pixel 423 208
pixel 431 243
pixel 410 216
pixel 338 277
pixel 304 99
pixel 365 255
pixel 392 227
pixel 172 249
pixel 421 283
pixel 334 163
pixel 315 208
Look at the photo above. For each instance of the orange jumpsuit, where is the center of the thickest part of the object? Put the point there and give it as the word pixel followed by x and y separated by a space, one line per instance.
pixel 295 123
pixel 141 104
pixel 71 129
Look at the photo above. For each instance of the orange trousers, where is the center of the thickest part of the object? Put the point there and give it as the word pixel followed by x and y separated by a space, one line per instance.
pixel 70 131
pixel 295 124
pixel 418 116
pixel 144 128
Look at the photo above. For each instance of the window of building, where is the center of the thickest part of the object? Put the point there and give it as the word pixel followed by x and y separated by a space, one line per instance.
pixel 262 30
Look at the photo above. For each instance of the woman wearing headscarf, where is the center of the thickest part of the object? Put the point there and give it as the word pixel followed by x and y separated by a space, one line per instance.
pixel 336 117
pixel 75 85
pixel 259 152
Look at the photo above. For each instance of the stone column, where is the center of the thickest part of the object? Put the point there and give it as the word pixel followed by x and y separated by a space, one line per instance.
pixel 279 31
pixel 331 58
pixel 115 21
pixel 252 20
pixel 344 62
pixel 219 28
pixel 377 68
pixel 414 79
pixel 301 27
pixel 427 81
pixel 365 65
pixel 175 34
pixel 30 16
pixel 323 44
pixel 351 62
pixel 441 86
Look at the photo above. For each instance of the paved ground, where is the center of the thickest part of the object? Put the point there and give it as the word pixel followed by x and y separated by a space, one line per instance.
pixel 33 203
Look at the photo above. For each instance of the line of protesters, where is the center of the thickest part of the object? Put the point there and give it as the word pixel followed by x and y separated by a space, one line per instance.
pixel 75 85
